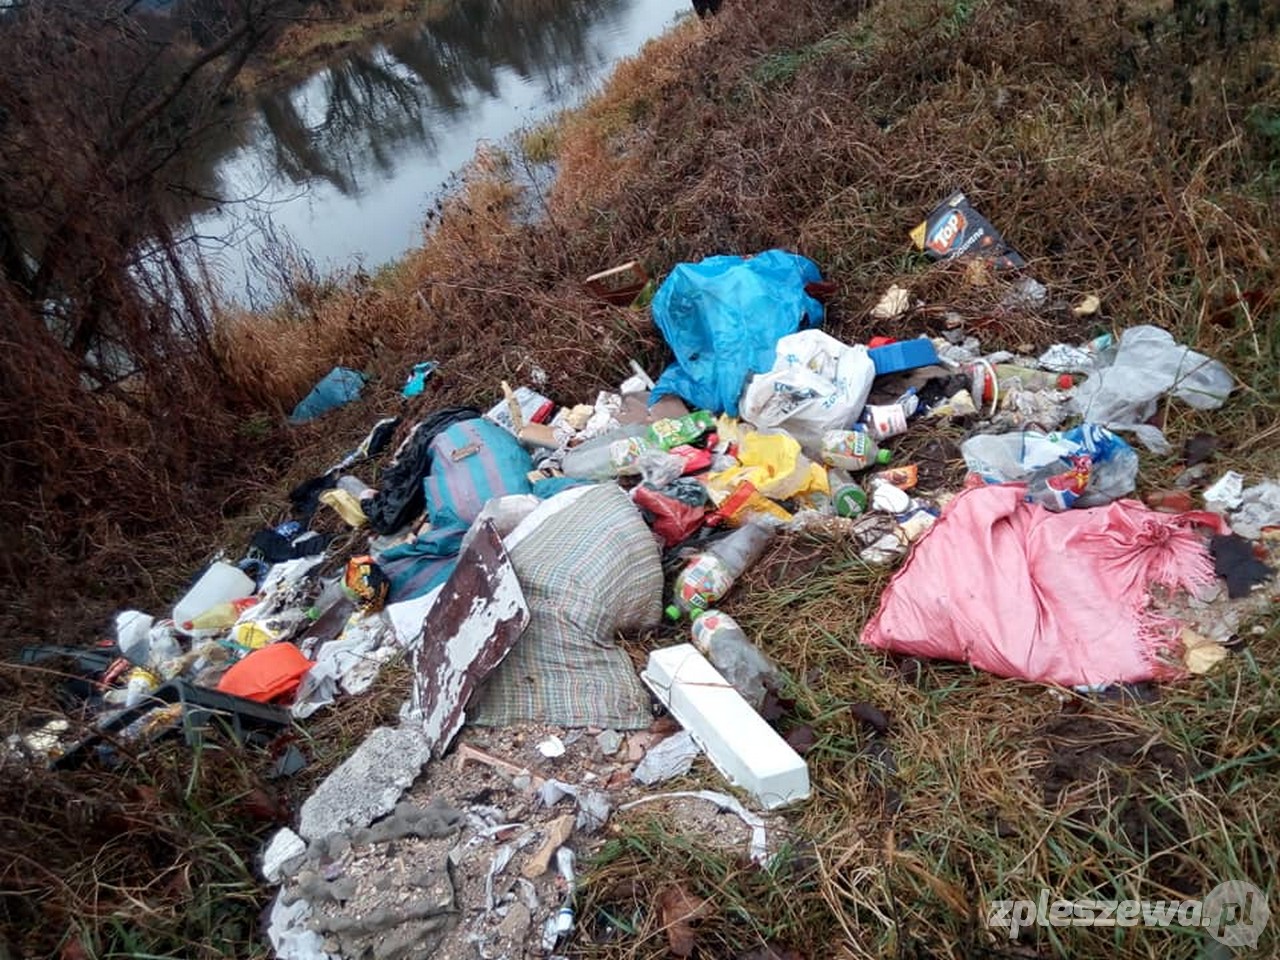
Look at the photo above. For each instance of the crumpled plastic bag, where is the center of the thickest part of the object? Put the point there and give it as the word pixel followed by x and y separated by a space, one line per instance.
pixel 133 635
pixel 771 462
pixel 1149 363
pixel 673 520
pixel 1006 457
pixel 1259 507
pixel 722 318
pixel 337 388
pixel 816 384
pixel 350 662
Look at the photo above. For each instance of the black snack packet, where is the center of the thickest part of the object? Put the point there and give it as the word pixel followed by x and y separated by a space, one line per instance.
pixel 955 230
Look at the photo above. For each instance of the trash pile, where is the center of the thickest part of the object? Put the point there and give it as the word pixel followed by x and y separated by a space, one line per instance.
pixel 504 552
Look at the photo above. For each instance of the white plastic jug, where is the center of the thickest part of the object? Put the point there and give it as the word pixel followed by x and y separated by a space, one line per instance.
pixel 221 582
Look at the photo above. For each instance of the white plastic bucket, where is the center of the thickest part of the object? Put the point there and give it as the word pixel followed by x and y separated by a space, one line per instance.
pixel 221 582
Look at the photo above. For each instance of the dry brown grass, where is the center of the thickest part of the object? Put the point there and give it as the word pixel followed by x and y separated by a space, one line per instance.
pixel 1127 153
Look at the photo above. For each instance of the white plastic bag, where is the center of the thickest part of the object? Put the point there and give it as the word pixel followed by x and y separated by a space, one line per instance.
pixel 1259 507
pixel 133 628
pixel 1149 363
pixel 505 513
pixel 817 384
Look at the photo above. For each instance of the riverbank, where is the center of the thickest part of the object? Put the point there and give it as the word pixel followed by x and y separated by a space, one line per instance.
pixel 1131 156
pixel 303 46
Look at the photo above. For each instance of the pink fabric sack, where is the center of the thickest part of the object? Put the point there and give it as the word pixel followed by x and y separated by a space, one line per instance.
pixel 1060 598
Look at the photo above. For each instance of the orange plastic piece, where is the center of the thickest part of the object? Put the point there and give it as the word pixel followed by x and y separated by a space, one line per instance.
pixel 269 674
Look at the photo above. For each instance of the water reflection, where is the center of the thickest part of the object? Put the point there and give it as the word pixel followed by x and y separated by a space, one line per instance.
pixel 346 161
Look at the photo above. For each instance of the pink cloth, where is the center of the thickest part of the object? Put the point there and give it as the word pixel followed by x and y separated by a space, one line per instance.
pixel 1061 598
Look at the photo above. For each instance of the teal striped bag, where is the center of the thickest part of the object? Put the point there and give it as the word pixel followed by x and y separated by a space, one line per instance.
pixel 472 462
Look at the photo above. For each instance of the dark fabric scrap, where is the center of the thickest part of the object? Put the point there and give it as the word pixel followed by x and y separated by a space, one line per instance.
pixel 400 497
pixel 270 546
pixel 305 497
pixel 1233 560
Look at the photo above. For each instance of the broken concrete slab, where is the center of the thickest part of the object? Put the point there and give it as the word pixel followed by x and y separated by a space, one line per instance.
pixel 437 819
pixel 368 784
pixel 609 742
pixel 474 622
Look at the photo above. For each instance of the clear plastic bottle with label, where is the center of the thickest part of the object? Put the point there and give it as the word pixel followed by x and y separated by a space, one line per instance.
pixel 719 638
pixel 711 574
pixel 610 455
pixel 851 450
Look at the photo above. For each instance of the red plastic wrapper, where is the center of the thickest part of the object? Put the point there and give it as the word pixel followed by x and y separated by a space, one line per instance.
pixel 673 521
pixel 695 460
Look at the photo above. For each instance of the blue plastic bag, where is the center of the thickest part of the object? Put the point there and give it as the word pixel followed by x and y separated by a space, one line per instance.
pixel 722 317
pixel 339 387
pixel 418 378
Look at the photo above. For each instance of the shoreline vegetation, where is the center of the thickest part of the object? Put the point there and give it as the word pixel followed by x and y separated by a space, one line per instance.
pixel 305 45
pixel 1129 152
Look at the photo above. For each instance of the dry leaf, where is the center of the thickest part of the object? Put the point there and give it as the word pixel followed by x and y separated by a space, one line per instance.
pixel 1087 307
pixel 677 907
pixel 801 739
pixel 1199 653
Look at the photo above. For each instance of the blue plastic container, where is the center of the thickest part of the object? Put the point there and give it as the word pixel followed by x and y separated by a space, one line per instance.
pixel 904 355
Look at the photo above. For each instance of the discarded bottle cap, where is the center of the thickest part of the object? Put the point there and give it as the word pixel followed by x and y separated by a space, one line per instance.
pixel 1065 382
pixel 883 456
pixel 673 612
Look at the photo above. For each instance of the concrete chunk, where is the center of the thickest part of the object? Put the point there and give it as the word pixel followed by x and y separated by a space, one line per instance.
pixel 368 784
pixel 283 855
pixel 735 738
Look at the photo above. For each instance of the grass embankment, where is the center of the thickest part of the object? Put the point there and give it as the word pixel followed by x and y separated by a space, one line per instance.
pixel 1131 153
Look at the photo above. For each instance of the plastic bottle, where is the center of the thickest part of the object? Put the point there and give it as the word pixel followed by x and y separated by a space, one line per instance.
pixel 1033 379
pixel 719 638
pixel 141 682
pixel 986 378
pixel 711 574
pixel 355 486
pixel 220 616
pixel 220 582
pixel 847 498
pixel 607 456
pixel 851 450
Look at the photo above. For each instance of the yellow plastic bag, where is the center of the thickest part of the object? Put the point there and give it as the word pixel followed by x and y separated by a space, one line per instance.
pixel 252 636
pixel 348 507
pixel 772 463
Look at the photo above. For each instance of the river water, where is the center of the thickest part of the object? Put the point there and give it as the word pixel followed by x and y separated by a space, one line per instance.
pixel 345 163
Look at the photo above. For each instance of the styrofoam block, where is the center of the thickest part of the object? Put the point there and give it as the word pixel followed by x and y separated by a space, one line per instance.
pixel 737 740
